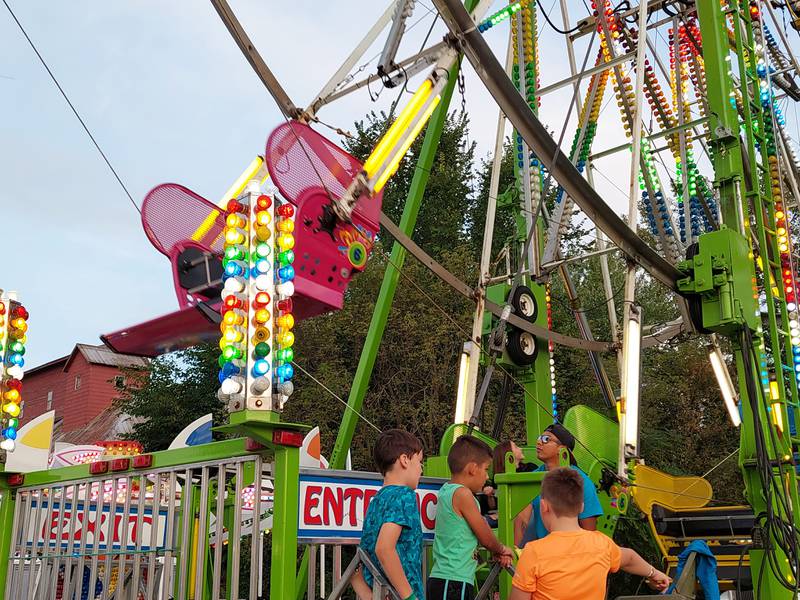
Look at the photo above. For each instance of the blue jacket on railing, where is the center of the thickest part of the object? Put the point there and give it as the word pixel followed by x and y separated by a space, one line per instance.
pixel 705 568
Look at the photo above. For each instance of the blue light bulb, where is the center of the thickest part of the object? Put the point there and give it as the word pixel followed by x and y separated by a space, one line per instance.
pixel 263 265
pixel 286 273
pixel 10 433
pixel 260 367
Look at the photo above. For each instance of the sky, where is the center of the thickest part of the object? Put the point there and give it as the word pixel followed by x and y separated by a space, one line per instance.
pixel 169 98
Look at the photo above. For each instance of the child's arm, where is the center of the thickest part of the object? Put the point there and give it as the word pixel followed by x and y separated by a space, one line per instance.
pixel 464 504
pixel 521 523
pixel 518 594
pixel 386 551
pixel 360 587
pixel 632 563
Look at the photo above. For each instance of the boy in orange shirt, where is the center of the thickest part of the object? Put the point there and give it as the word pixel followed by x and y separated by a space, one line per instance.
pixel 571 563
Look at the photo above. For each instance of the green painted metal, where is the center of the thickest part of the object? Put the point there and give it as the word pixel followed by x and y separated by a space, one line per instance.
pixel 6 525
pixel 740 156
pixel 380 316
pixel 721 276
pixel 283 579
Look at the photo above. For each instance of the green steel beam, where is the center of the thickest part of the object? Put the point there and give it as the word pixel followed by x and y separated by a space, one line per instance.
pixel 380 316
pixel 6 526
pixel 283 582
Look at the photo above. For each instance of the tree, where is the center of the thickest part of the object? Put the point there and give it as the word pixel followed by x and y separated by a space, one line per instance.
pixel 178 388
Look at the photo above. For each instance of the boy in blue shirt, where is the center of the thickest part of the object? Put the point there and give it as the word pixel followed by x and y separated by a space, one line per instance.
pixel 392 534
pixel 528 525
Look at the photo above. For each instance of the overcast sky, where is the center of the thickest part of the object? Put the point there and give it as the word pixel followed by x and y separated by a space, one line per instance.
pixel 170 98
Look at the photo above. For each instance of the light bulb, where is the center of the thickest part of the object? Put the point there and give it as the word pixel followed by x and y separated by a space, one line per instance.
pixel 11 409
pixel 286 321
pixel 8 445
pixel 285 289
pixel 262 316
pixel 263 282
pixel 260 367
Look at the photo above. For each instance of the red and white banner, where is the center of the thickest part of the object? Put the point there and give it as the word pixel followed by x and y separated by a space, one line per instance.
pixel 333 504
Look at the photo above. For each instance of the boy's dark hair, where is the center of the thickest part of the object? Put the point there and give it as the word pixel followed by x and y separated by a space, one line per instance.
pixel 467 449
pixel 391 445
pixel 563 490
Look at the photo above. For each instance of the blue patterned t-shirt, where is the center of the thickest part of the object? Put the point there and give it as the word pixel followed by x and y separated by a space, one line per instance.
pixel 396 504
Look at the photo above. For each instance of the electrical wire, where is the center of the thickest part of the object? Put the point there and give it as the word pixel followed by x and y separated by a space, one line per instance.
pixel 552 25
pixel 72 107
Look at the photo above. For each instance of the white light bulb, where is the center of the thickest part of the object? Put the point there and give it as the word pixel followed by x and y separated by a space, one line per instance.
pixel 8 445
pixel 262 282
pixel 15 372
pixel 286 289
pixel 232 385
pixel 233 284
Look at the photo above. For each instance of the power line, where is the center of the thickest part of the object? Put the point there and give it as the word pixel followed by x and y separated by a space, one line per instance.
pixel 69 102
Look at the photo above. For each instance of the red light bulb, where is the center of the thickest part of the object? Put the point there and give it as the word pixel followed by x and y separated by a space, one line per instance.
pixel 285 210
pixel 261 300
pixel 14 384
pixel 20 312
pixel 263 202
pixel 285 305
pixel 232 302
pixel 234 206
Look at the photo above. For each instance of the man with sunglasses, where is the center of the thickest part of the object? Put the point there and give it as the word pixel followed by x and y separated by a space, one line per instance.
pixel 528 525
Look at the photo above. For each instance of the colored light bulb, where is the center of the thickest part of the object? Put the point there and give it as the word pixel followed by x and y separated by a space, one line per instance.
pixel 286 257
pixel 231 353
pixel 261 349
pixel 19 311
pixel 230 369
pixel 285 210
pixel 260 367
pixel 234 253
pixel 17 347
pixel 234 206
pixel 263 265
pixel 12 422
pixel 286 339
pixel 232 318
pixel 262 316
pixel 234 236
pixel 11 409
pixel 261 300
pixel 263 233
pixel 263 202
pixel 233 336
pixel 285 371
pixel 10 433
pixel 286 354
pixel 263 218
pixel 234 269
pixel 286 321
pixel 11 396
pixel 20 324
pixel 234 220
pixel 285 305
pixel 261 335
pixel 8 445
pixel 285 289
pixel 14 384
pixel 286 241
pixel 263 250
pixel 286 273
pixel 286 226
pixel 17 360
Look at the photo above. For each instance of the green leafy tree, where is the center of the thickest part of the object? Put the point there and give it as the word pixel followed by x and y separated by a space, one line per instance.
pixel 178 388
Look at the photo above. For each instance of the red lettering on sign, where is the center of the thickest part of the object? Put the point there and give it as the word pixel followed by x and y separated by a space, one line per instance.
pixel 353 495
pixel 333 506
pixel 425 502
pixel 312 501
pixel 146 520
pixel 369 494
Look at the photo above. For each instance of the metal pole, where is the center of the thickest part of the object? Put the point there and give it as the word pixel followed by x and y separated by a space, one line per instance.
pixel 283 581
pixel 633 202
pixel 486 250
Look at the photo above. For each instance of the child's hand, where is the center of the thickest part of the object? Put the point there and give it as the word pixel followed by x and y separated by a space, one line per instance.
pixel 504 557
pixel 659 581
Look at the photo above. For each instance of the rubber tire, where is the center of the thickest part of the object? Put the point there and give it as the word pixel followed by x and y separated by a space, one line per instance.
pixel 518 343
pixel 524 303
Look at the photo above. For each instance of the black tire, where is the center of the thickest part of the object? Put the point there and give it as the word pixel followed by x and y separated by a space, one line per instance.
pixel 524 303
pixel 522 347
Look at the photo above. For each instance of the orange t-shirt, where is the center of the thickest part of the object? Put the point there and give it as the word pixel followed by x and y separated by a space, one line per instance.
pixel 567 565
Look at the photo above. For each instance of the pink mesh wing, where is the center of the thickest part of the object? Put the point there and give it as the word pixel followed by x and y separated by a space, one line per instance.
pixel 299 158
pixel 172 213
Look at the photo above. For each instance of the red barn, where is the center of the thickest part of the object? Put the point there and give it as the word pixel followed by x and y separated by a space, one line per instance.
pixel 79 387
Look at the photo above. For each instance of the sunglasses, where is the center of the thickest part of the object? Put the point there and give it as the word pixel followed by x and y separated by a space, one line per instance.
pixel 546 438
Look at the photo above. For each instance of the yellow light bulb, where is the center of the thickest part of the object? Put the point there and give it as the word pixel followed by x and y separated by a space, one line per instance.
pixel 11 409
pixel 20 324
pixel 11 396
pixel 263 218
pixel 263 233
pixel 286 241
pixel 286 339
pixel 286 321
pixel 262 316
pixel 286 226
pixel 234 220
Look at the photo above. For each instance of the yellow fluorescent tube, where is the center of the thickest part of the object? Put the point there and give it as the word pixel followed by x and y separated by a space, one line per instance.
pixel 390 170
pixel 389 139
pixel 232 192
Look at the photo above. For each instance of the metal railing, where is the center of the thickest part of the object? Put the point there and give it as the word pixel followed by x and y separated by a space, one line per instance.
pixel 152 534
